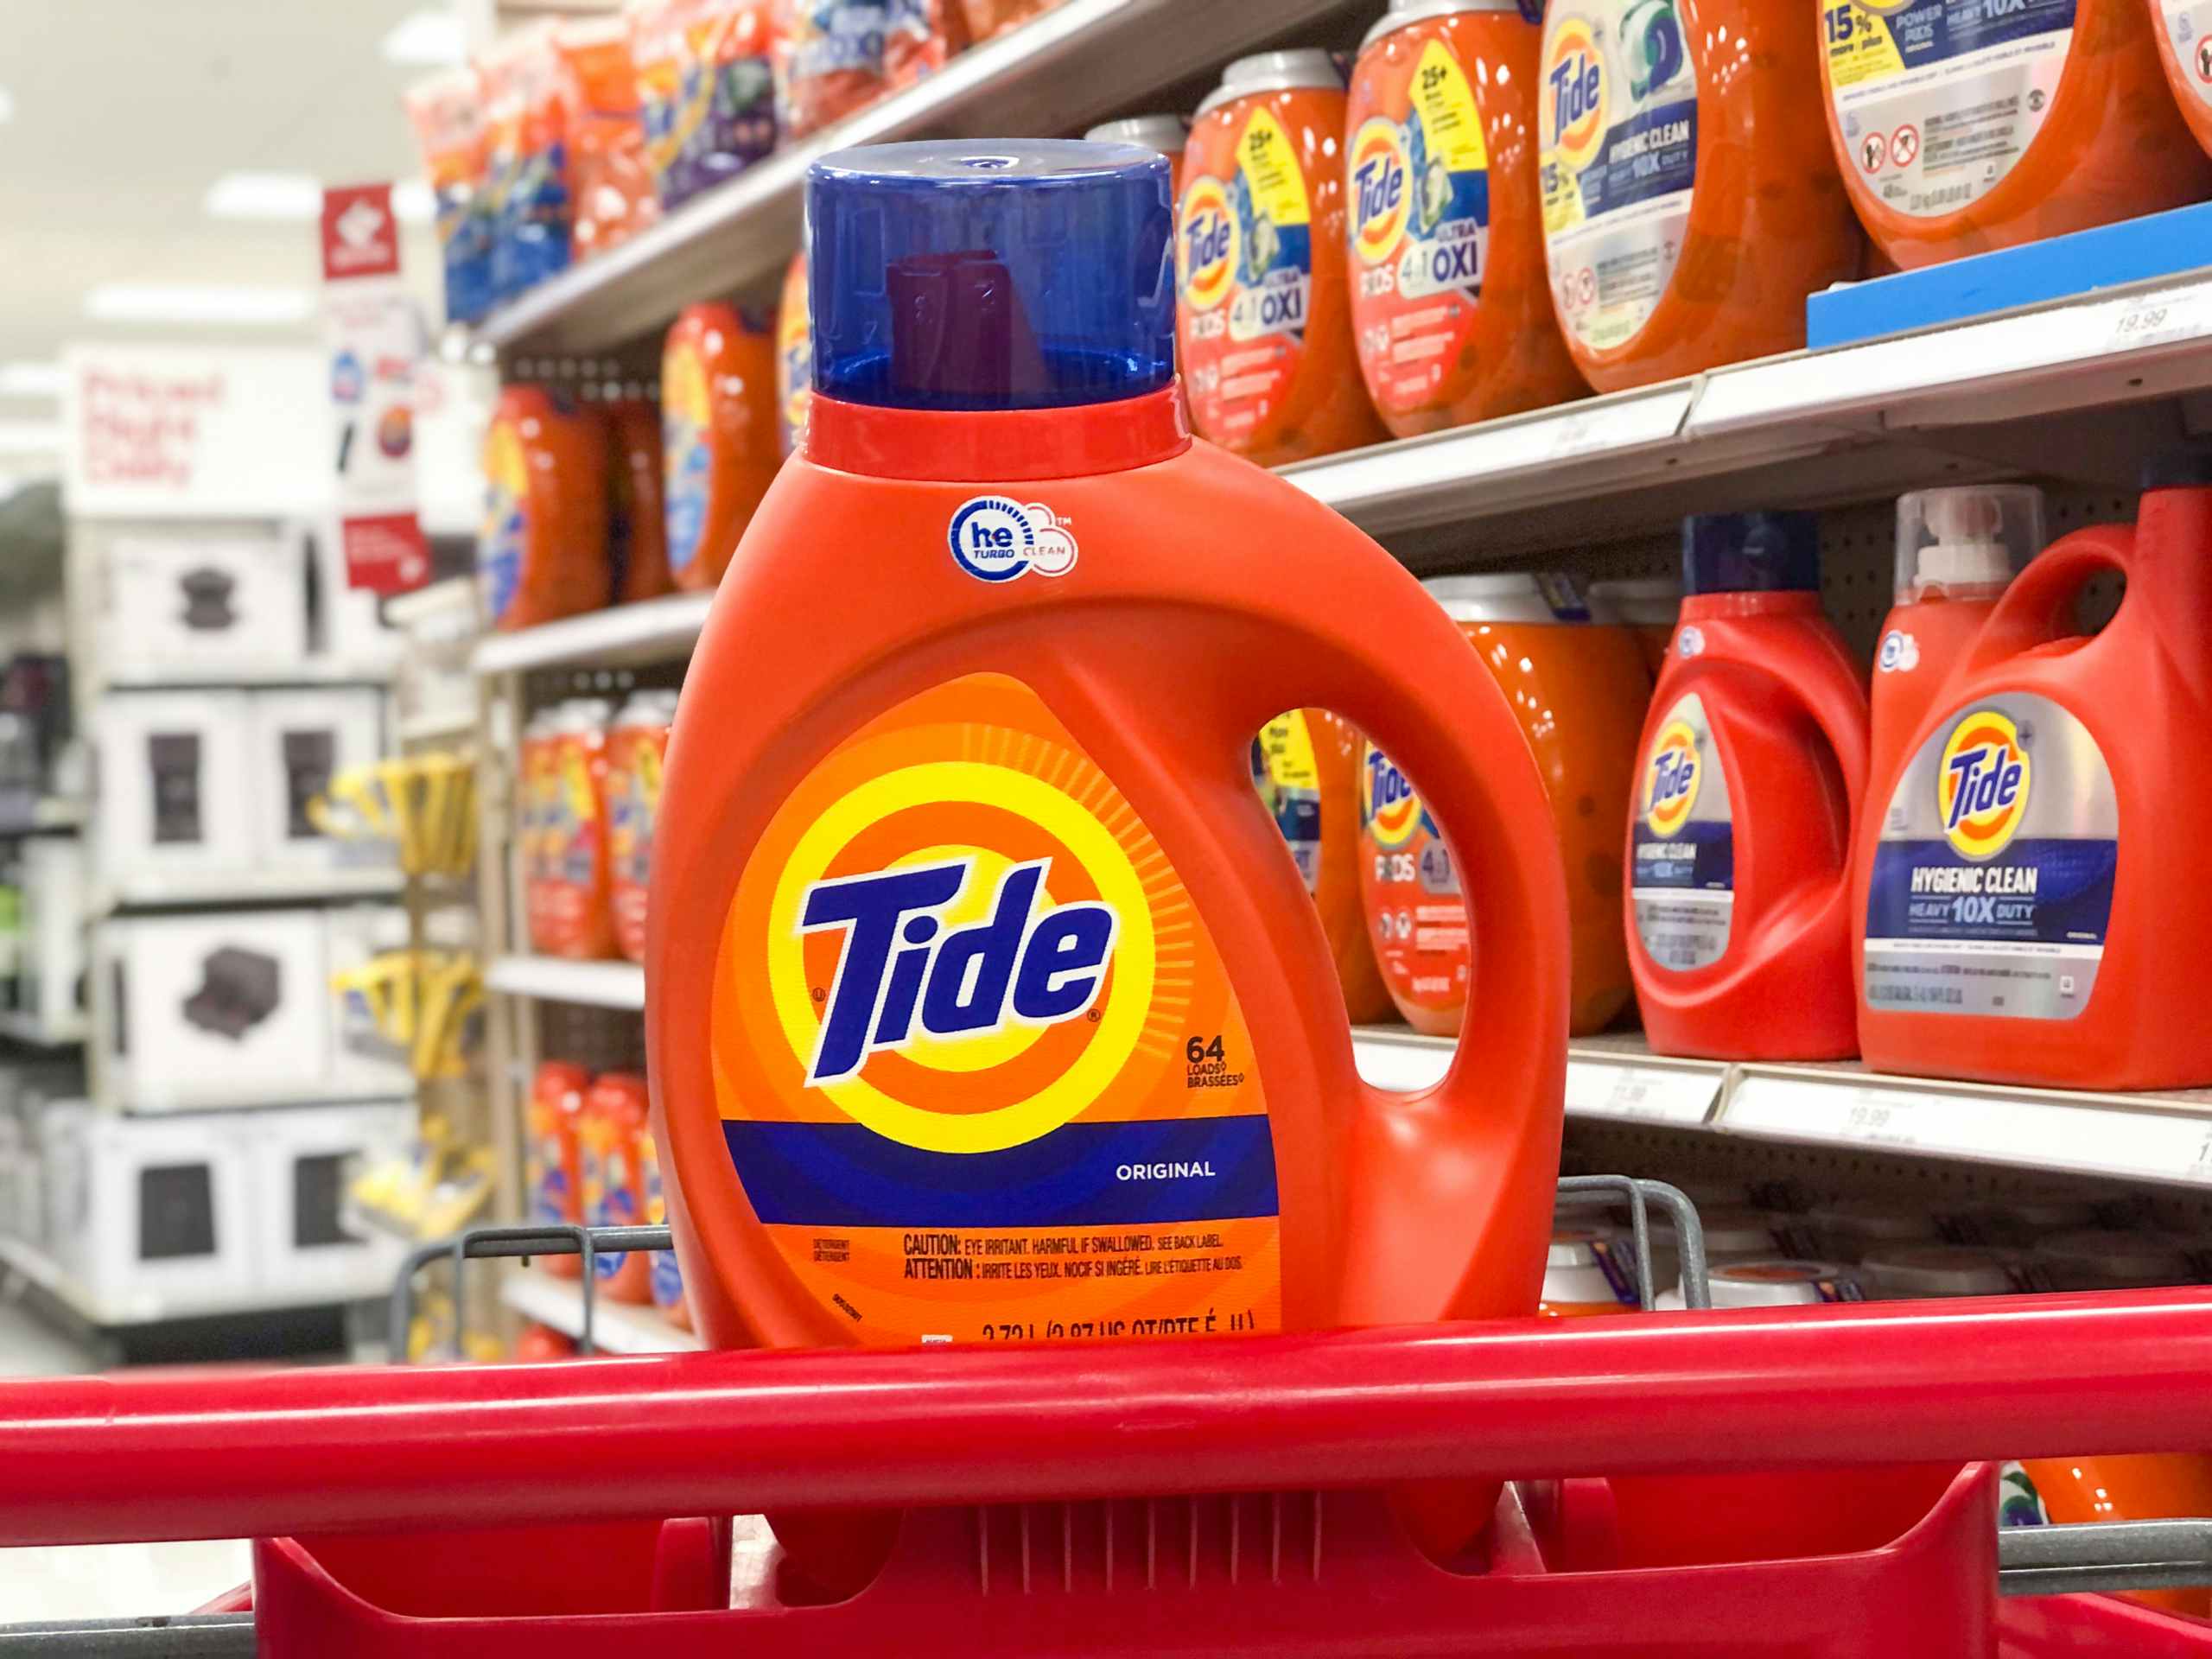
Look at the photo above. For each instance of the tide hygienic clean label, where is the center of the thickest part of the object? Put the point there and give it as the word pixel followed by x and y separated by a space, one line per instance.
pixel 1992 880
pixel 979 1065
pixel 1937 99
pixel 1616 127
pixel 1682 842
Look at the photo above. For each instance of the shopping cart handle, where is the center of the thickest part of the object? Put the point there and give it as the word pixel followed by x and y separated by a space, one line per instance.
pixel 230 1454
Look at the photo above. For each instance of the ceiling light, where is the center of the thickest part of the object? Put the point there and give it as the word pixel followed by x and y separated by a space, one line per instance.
pixel 211 302
pixel 30 437
pixel 30 379
pixel 430 36
pixel 292 196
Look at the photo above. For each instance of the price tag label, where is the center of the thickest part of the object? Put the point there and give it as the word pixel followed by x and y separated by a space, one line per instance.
pixel 2160 318
pixel 1629 1092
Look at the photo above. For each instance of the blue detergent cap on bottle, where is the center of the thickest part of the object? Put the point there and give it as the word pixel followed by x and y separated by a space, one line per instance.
pixel 1752 553
pixel 990 274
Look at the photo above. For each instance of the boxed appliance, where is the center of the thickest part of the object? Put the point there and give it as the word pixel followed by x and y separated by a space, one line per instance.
pixel 363 1060
pixel 303 1159
pixel 148 1216
pixel 174 785
pixel 297 741
pixel 223 1008
pixel 50 968
pixel 204 604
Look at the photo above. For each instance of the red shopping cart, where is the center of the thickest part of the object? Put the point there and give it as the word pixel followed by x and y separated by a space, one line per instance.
pixel 1198 1498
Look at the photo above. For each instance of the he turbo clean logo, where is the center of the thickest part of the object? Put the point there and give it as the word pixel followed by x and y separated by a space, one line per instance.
pixel 1388 803
pixel 995 539
pixel 1671 778
pixel 1206 244
pixel 1572 95
pixel 1381 203
pixel 1981 787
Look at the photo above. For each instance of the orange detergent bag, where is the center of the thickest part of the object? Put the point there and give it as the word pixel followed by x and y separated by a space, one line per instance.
pixel 1753 767
pixel 1962 126
pixel 1451 304
pixel 1264 316
pixel 2003 935
pixel 611 185
pixel 542 553
pixel 973 960
pixel 719 444
pixel 1579 691
pixel 1691 200
pixel 1306 765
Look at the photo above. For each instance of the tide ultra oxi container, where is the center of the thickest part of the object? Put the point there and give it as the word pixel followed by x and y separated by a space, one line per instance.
pixel 984 1002
pixel 1754 760
pixel 2033 911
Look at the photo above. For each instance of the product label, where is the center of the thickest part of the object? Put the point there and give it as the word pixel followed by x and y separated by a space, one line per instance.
pixel 633 780
pixel 1992 880
pixel 1245 269
pixel 706 97
pixel 687 459
pixel 551 1202
pixel 1412 888
pixel 2018 1502
pixel 2189 26
pixel 500 543
pixel 1617 123
pixel 794 361
pixel 667 1278
pixel 1938 99
pixel 1288 777
pixel 608 1199
pixel 1682 879
pixel 1419 189
pixel 982 1072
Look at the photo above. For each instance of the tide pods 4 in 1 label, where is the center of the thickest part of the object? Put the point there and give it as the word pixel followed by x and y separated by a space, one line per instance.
pixel 980 1071
pixel 1418 182
pixel 1414 902
pixel 1682 844
pixel 500 543
pixel 1617 131
pixel 1288 777
pixel 1993 880
pixel 1937 99
pixel 2189 26
pixel 1245 270
pixel 687 459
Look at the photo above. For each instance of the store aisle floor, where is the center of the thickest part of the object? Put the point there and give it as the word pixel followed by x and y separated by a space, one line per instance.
pixel 103 1581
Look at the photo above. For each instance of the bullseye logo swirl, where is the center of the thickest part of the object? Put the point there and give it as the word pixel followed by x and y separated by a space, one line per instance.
pixel 1981 789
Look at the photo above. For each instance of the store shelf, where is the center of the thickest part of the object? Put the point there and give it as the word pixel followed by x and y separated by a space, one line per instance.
pixel 445 725
pixel 314 670
pixel 41 1272
pixel 617 1327
pixel 145 890
pixel 2149 1137
pixel 1077 64
pixel 595 984
pixel 656 630
pixel 42 1034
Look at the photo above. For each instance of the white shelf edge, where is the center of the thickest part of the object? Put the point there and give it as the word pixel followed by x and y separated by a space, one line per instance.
pixel 1610 1077
pixel 556 979
pixel 651 631
pixel 431 728
pixel 617 1327
pixel 312 671
pixel 235 887
pixel 34 1265
pixel 395 1093
pixel 27 1028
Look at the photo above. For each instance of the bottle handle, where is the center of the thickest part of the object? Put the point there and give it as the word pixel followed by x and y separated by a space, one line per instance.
pixel 1841 716
pixel 2034 610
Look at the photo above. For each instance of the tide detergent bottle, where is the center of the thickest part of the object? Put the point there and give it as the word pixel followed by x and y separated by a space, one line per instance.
pixel 2030 908
pixel 1754 760
pixel 984 1002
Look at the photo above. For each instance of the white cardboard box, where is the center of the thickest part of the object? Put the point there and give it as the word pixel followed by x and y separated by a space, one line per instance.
pixel 303 1159
pixel 174 785
pixel 50 969
pixel 200 604
pixel 214 1009
pixel 148 1216
pixel 297 742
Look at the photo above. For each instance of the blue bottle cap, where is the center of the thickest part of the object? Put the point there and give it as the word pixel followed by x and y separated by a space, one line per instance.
pixel 991 274
pixel 1752 553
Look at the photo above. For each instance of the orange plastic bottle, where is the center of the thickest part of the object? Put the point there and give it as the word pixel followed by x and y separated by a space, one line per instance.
pixel 2184 32
pixel 1740 845
pixel 553 1174
pixel 666 1277
pixel 794 357
pixel 569 914
pixel 1649 605
pixel 969 942
pixel 637 526
pixel 1957 549
pixel 542 554
pixel 1168 134
pixel 2004 935
pixel 1306 765
pixel 1691 200
pixel 610 1127
pixel 1962 126
pixel 637 745
pixel 1579 691
pixel 719 436
pixel 1264 317
pixel 1451 303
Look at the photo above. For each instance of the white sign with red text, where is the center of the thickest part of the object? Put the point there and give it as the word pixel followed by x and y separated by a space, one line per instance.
pixel 374 338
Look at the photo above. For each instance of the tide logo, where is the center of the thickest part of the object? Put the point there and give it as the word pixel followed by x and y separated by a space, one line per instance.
pixel 1981 788
pixel 1388 806
pixel 995 539
pixel 904 974
pixel 1378 173
pixel 1206 244
pixel 1572 95
pixel 1671 778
